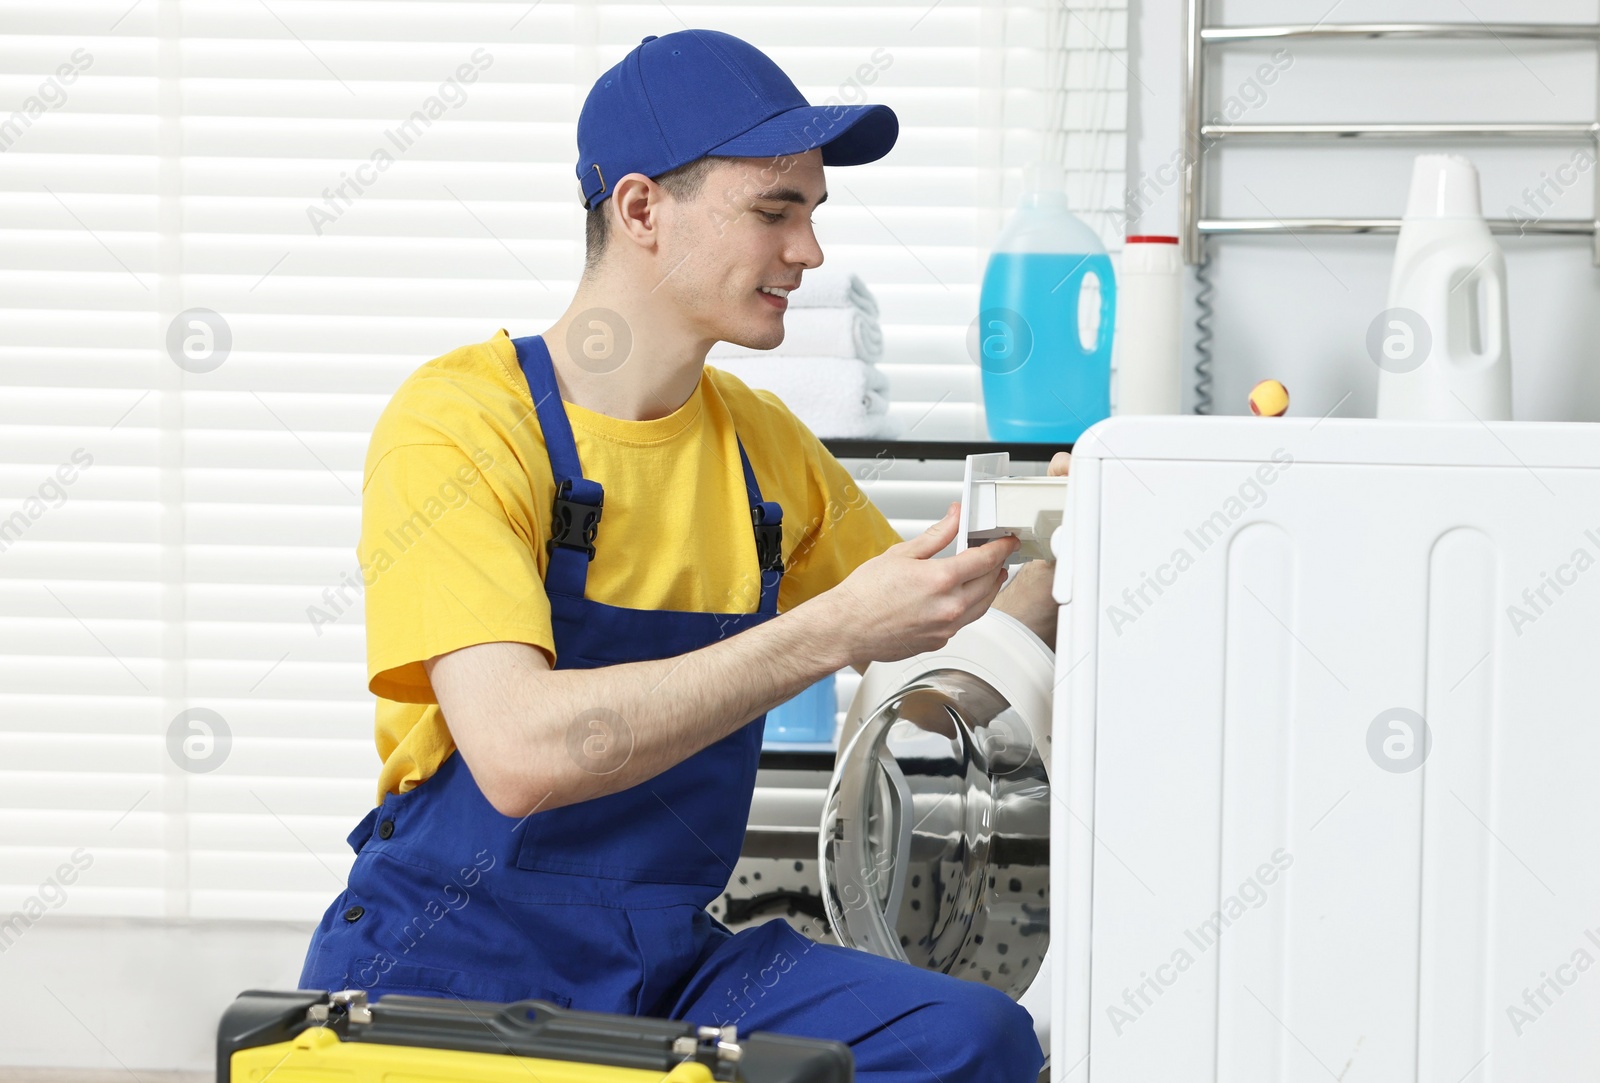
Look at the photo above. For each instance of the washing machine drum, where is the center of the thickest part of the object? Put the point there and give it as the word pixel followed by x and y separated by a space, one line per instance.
pixel 935 833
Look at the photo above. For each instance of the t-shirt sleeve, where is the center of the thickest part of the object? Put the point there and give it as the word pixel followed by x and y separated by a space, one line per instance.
pixel 842 529
pixel 444 567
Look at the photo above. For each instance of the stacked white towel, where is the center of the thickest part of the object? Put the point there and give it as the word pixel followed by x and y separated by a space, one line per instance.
pixel 826 369
pixel 834 289
pixel 834 396
pixel 824 332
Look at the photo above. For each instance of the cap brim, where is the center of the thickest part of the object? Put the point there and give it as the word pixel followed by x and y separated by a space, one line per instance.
pixel 847 134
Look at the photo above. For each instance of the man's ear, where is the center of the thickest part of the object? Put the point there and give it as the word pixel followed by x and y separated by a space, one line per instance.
pixel 636 208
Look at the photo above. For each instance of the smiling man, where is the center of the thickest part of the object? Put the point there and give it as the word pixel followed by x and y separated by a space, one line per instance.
pixel 594 563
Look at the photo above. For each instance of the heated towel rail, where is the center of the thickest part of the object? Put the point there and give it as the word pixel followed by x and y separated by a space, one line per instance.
pixel 1200 135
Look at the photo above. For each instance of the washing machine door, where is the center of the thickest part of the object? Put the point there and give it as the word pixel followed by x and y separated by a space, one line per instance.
pixel 935 832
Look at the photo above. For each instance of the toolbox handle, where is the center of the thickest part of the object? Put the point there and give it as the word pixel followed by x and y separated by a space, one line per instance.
pixel 522 1012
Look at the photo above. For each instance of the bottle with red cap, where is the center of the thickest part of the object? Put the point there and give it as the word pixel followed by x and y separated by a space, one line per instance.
pixel 1149 314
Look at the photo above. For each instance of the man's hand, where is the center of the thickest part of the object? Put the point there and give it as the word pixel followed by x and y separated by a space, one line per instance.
pixel 1029 597
pixel 902 603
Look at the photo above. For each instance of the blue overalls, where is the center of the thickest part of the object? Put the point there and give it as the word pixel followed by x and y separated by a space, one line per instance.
pixel 601 905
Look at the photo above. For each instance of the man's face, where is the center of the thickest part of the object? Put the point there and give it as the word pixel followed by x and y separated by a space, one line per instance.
pixel 750 227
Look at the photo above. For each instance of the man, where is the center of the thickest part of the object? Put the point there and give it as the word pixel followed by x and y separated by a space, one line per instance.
pixel 593 564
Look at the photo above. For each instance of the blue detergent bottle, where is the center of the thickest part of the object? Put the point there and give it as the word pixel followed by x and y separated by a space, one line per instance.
pixel 1046 368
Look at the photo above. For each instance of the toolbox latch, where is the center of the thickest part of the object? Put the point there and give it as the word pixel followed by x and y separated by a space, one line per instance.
pixel 716 1045
pixel 352 1002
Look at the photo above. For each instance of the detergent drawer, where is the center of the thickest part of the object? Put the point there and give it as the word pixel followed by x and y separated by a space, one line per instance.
pixel 1326 744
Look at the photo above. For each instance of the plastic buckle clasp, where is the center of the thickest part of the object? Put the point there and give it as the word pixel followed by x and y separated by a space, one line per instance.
pixel 573 524
pixel 769 535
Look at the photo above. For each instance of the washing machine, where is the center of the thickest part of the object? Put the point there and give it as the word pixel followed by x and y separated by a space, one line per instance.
pixel 1326 752
pixel 935 836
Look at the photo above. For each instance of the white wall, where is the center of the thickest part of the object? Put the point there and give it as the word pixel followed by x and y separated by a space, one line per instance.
pixel 135 993
pixel 1297 309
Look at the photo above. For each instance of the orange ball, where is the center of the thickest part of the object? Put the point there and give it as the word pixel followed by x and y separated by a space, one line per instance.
pixel 1269 398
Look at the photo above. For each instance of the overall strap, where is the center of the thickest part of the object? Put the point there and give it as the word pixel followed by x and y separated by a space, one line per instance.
pixel 575 517
pixel 766 516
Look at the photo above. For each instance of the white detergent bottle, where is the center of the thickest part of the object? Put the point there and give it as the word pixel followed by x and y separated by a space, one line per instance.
pixel 1443 347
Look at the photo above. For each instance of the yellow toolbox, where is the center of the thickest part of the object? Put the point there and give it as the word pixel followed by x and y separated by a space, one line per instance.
pixel 319 1037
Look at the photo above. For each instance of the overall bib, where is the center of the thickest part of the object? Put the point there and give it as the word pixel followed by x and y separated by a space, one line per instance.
pixel 600 905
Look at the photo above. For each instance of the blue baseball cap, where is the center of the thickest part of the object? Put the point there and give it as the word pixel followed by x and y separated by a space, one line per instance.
pixel 685 95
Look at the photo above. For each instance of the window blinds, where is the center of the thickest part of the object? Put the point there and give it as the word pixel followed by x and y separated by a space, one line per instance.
pixel 231 228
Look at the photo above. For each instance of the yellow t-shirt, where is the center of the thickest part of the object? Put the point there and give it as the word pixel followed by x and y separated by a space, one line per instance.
pixel 455 512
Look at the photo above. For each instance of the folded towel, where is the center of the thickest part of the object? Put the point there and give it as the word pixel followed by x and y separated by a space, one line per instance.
pixel 818 332
pixel 826 287
pixel 833 396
